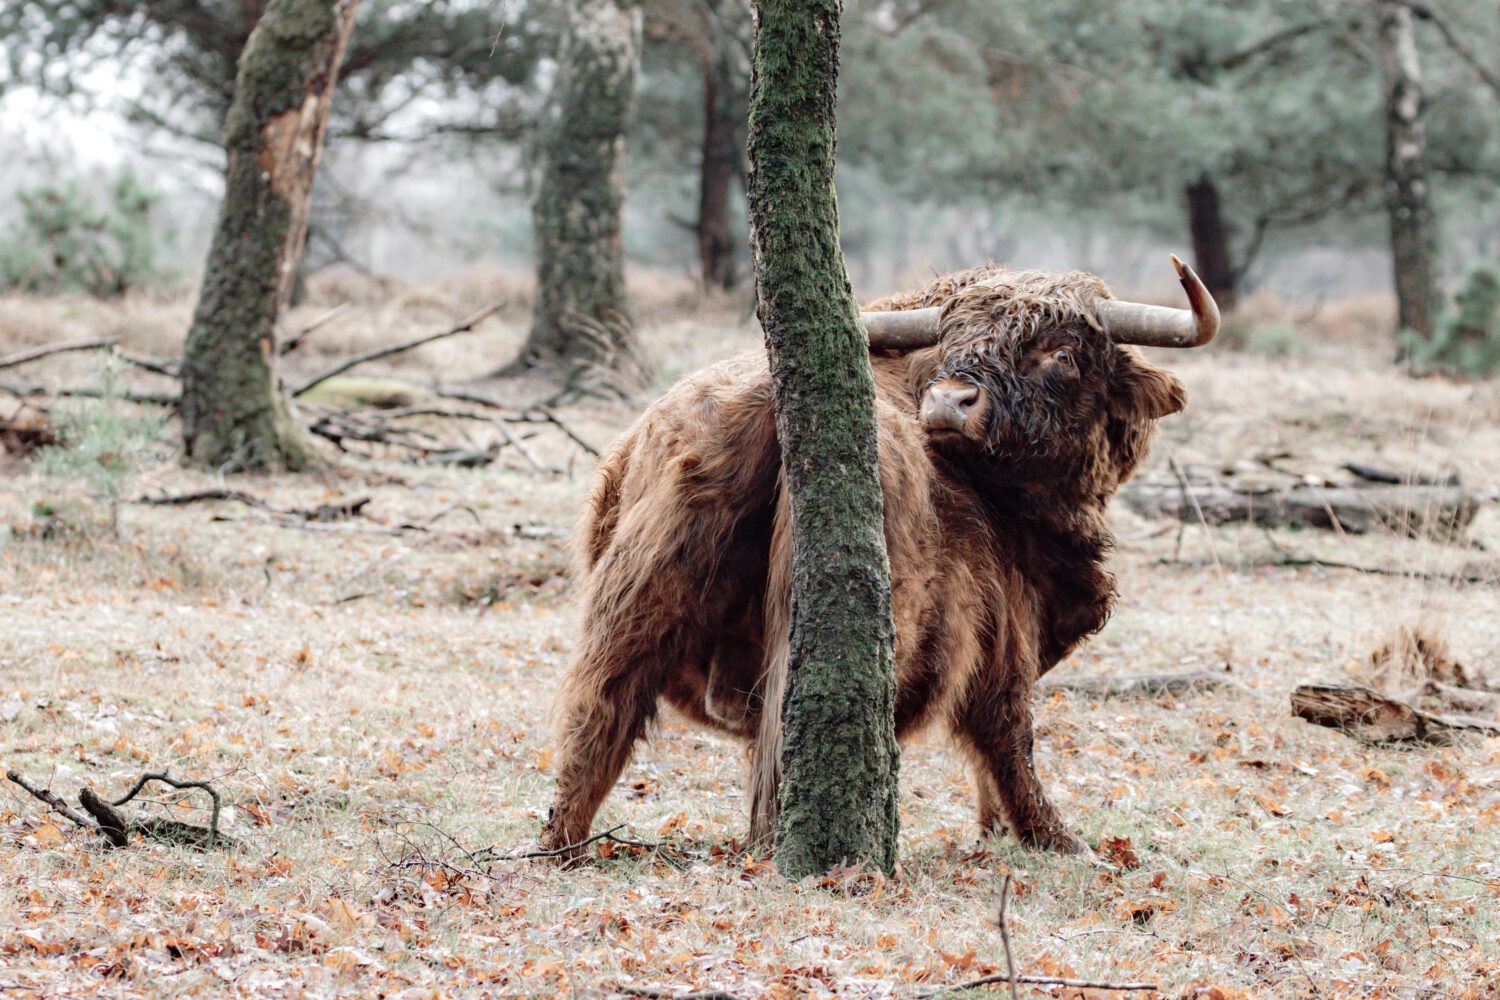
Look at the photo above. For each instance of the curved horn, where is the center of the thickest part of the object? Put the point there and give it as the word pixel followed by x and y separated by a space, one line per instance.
pixel 1161 326
pixel 904 330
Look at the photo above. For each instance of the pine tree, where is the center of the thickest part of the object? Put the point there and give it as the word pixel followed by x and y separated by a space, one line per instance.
pixel 233 412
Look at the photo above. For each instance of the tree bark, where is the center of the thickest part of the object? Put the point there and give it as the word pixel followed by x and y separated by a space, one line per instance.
pixel 721 164
pixel 838 796
pixel 233 412
pixel 1413 237
pixel 1210 235
pixel 581 315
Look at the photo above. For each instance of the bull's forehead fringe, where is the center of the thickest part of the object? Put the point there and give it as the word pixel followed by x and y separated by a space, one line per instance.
pixel 992 297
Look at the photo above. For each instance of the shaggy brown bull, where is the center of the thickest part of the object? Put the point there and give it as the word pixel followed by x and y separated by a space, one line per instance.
pixel 1000 445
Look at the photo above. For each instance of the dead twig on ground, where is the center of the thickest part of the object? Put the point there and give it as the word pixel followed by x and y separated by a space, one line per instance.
pixel 341 510
pixel 297 339
pixel 512 439
pixel 146 398
pixel 52 799
pixel 1077 984
pixel 47 350
pixel 655 994
pixel 462 326
pixel 541 413
pixel 1012 979
pixel 170 367
pixel 116 828
pixel 1010 963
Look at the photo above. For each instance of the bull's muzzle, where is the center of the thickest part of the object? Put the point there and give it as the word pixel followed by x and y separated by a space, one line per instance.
pixel 949 405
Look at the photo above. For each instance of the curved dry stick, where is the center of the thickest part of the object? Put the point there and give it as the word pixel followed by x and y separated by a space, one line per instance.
pixel 164 778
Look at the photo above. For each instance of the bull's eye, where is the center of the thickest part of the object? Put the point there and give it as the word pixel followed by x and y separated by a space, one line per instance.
pixel 1063 356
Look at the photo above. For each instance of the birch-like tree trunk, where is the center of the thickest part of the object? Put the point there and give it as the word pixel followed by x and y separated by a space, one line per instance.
pixel 1408 200
pixel 233 412
pixel 838 793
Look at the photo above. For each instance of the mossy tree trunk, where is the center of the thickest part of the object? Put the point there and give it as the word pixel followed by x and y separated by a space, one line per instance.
pixel 233 411
pixel 1408 202
pixel 581 316
pixel 725 76
pixel 838 796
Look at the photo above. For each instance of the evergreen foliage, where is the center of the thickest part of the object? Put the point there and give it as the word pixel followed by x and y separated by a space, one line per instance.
pixel 1468 337
pixel 103 448
pixel 68 242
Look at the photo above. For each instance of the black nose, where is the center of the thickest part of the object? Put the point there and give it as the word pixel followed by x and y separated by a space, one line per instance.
pixel 947 405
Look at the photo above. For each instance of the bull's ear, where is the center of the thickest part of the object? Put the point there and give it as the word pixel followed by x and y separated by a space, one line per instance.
pixel 1141 391
pixel 1139 395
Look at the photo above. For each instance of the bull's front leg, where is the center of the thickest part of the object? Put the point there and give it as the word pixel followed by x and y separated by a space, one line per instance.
pixel 996 725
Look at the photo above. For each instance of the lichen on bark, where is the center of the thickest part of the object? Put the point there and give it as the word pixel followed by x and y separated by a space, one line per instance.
pixel 581 314
pixel 838 794
pixel 233 412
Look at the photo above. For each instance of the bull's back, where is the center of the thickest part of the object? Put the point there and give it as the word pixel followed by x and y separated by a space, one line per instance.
pixel 700 457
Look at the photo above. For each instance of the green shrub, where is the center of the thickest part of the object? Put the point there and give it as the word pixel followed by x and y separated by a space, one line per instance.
pixel 1468 338
pixel 102 448
pixel 65 241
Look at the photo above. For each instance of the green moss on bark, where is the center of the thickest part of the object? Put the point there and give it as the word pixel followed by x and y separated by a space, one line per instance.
pixel 838 796
pixel 581 311
pixel 233 412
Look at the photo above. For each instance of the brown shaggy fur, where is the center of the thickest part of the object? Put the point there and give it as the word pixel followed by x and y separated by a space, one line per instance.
pixel 995 529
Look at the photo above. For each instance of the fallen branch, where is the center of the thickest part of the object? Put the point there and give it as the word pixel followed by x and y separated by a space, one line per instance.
pixel 295 341
pixel 1140 685
pixel 148 398
pixel 1010 963
pixel 1368 715
pixel 170 367
pixel 341 510
pixel 47 350
pixel 116 829
pixel 463 326
pixel 519 445
pixel 1077 984
pixel 655 994
pixel 541 413
pixel 1012 979
pixel 52 799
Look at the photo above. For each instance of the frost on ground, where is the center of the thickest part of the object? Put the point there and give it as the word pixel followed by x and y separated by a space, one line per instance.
pixel 373 702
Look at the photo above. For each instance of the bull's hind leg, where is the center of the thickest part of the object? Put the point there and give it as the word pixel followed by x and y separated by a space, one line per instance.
pixel 997 728
pixel 603 715
pixel 641 636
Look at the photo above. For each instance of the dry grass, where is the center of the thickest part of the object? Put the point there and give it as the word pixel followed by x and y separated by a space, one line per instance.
pixel 368 698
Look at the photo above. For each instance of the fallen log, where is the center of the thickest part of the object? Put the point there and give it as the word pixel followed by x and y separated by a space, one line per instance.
pixel 1417 511
pixel 1139 685
pixel 1368 715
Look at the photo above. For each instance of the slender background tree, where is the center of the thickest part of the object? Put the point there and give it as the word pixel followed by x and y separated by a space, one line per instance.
pixel 838 795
